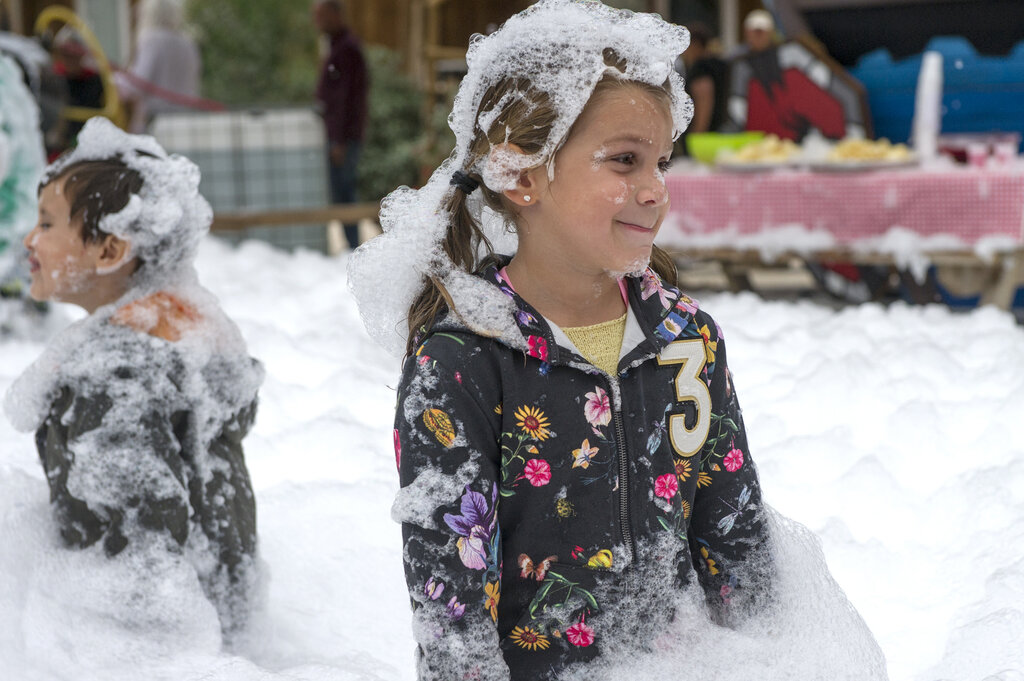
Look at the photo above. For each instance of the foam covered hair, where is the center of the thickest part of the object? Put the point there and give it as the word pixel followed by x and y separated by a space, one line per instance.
pixel 165 221
pixel 559 46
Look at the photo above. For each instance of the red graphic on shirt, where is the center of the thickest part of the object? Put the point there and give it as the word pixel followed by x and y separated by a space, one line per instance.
pixel 791 107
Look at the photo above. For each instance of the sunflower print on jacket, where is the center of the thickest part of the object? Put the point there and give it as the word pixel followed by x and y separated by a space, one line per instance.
pixel 550 480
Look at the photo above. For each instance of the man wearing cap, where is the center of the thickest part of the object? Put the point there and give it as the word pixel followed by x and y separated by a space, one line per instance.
pixel 759 31
pixel 773 88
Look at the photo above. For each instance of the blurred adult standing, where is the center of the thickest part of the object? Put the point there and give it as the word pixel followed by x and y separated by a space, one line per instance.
pixel 341 95
pixel 165 72
pixel 73 62
pixel 706 80
pixel 758 31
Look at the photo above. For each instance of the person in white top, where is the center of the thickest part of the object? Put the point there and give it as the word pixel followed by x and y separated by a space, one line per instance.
pixel 165 71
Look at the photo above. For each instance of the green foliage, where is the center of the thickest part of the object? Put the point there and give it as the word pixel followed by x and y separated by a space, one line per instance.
pixel 264 52
pixel 391 151
pixel 439 140
pixel 256 52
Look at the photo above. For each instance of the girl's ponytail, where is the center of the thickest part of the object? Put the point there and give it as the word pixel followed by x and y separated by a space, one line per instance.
pixel 664 266
pixel 462 243
pixel 525 121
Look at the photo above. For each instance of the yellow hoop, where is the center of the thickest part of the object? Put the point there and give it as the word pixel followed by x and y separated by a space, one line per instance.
pixel 112 108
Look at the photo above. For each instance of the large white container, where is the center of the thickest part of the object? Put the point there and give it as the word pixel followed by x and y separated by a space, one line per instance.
pixel 256 160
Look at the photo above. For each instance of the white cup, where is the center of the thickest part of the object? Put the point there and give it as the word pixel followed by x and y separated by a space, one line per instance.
pixel 977 154
pixel 1005 152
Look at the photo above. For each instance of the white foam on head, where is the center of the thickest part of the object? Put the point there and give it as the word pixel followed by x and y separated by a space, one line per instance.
pixel 166 219
pixel 558 45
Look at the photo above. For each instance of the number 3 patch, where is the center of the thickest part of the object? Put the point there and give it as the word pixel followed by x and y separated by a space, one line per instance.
pixel 689 388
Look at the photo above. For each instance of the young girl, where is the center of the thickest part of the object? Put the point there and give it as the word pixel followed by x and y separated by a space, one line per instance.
pixel 572 454
pixel 140 408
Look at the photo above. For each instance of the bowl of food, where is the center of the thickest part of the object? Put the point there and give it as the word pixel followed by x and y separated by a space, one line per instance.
pixel 767 153
pixel 862 154
pixel 705 146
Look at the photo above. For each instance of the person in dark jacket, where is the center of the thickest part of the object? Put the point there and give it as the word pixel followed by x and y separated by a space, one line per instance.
pixel 140 408
pixel 341 93
pixel 572 455
pixel 707 81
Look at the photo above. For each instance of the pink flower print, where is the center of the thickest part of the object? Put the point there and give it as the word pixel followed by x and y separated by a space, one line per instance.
pixel 423 359
pixel 649 285
pixel 687 304
pixel 580 634
pixel 458 377
pixel 666 486
pixel 398 451
pixel 538 472
pixel 598 409
pixel 733 460
pixel 538 348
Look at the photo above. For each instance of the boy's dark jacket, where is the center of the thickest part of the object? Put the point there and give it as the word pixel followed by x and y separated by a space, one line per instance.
pixel 539 492
pixel 151 459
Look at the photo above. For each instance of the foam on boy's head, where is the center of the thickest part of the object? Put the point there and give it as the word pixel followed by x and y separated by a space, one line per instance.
pixel 166 218
pixel 94 189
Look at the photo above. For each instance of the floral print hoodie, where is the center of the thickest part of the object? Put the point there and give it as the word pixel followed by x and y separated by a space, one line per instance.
pixel 539 493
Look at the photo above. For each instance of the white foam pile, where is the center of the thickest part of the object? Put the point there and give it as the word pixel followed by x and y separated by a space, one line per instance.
pixel 893 434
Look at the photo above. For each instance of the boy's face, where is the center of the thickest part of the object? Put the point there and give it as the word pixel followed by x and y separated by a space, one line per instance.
pixel 62 265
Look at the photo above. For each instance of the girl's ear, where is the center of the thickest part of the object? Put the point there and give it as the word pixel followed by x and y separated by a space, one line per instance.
pixel 114 252
pixel 527 189
pixel 522 185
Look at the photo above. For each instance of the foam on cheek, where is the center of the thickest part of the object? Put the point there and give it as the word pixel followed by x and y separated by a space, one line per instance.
pixel 69 276
pixel 625 189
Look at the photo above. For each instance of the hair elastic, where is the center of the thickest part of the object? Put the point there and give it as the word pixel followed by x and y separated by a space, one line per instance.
pixel 464 182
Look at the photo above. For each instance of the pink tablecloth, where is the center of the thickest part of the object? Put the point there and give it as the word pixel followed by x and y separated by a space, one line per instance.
pixel 968 203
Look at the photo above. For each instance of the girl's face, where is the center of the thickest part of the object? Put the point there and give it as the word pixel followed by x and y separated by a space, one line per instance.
pixel 608 197
pixel 62 265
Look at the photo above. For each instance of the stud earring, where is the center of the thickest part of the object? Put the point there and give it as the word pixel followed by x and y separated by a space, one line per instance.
pixel 526 197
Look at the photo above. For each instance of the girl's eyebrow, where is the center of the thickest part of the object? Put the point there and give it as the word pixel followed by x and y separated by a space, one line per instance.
pixel 635 139
pixel 629 138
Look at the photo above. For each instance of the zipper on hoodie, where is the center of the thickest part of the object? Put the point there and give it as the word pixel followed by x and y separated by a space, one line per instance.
pixel 620 446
